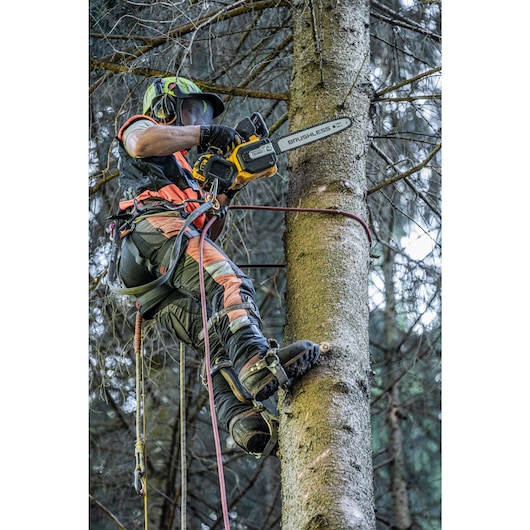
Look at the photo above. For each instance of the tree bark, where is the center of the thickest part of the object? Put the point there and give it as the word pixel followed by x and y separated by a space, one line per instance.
pixel 325 435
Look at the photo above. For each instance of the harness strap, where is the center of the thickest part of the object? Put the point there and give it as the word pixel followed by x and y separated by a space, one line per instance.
pixel 216 317
pixel 220 363
pixel 271 362
pixel 225 367
pixel 140 289
pixel 168 256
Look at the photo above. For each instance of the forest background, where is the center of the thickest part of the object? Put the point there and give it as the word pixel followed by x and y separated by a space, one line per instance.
pixel 381 66
pixel 48 420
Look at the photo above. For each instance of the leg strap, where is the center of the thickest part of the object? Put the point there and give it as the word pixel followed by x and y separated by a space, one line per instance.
pixel 271 362
pixel 216 317
pixel 224 367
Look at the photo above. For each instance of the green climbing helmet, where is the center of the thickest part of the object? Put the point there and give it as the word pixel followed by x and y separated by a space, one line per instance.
pixel 163 99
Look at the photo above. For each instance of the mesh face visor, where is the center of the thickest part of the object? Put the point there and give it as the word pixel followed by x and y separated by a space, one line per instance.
pixel 196 111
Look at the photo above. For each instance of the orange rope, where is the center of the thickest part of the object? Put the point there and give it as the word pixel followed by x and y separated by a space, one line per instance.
pixel 138 332
pixel 140 482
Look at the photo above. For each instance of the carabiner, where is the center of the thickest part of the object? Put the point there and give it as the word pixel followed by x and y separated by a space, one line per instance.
pixel 139 482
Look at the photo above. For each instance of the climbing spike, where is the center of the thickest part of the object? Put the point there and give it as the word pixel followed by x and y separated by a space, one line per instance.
pixel 325 347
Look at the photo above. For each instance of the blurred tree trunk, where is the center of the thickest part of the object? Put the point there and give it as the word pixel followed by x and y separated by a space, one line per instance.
pixel 325 433
pixel 395 414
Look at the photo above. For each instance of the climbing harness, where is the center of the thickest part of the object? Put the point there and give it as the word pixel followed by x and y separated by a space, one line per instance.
pixel 115 287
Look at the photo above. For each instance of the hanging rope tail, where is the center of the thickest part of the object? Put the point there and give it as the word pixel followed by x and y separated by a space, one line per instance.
pixel 140 481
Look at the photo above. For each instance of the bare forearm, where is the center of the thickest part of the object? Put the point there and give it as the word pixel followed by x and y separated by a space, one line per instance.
pixel 162 140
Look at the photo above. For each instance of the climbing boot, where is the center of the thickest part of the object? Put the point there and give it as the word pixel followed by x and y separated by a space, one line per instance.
pixel 252 427
pixel 263 374
pixel 261 366
pixel 253 434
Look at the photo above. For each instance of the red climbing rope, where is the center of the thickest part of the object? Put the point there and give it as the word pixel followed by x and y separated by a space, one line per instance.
pixel 217 441
pixel 140 482
pixel 312 210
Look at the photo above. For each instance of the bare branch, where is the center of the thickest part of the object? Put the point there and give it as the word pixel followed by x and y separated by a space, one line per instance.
pixel 407 82
pixel 396 18
pixel 411 171
pixel 221 14
pixel 107 512
pixel 409 99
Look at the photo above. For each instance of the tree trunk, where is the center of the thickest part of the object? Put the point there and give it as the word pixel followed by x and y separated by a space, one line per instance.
pixel 325 435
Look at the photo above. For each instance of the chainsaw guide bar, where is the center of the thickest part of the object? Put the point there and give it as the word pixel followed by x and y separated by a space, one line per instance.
pixel 311 134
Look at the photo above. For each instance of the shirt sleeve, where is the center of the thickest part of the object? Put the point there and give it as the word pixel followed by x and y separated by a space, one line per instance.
pixel 134 126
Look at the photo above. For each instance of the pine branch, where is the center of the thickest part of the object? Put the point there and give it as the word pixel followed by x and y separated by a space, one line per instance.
pixel 207 87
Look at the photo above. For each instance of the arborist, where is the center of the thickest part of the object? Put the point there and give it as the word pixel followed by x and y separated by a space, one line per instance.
pixel 160 197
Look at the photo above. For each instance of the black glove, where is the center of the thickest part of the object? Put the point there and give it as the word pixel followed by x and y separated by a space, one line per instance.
pixel 220 136
pixel 232 192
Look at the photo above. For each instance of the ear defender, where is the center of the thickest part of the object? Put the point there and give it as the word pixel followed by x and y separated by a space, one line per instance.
pixel 164 107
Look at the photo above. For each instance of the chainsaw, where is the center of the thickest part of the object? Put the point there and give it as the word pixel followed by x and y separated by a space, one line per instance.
pixel 256 156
